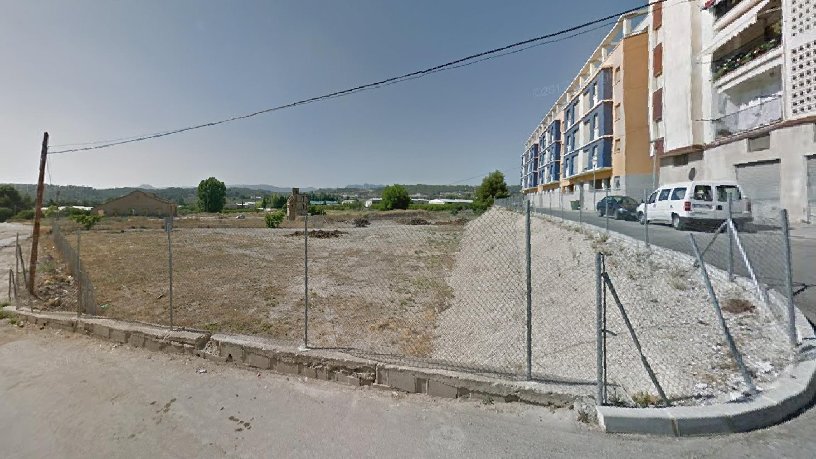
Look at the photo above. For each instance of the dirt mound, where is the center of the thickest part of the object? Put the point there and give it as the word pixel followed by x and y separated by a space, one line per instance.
pixel 320 234
pixel 417 221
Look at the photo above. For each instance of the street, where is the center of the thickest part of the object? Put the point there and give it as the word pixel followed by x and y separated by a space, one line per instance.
pixel 66 395
pixel 765 244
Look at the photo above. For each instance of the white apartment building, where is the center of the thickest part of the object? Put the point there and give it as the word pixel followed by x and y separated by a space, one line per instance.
pixel 733 96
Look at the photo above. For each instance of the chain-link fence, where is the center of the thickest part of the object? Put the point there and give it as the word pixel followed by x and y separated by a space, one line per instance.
pixel 511 292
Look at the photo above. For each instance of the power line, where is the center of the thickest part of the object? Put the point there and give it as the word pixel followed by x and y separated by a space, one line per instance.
pixel 388 81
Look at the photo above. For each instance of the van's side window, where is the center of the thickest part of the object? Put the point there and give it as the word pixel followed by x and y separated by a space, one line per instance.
pixel 678 194
pixel 664 194
pixel 652 197
pixel 723 190
pixel 702 193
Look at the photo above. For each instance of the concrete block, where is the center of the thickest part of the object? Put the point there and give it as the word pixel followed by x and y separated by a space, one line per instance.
pixel 232 352
pixel 118 335
pixel 189 349
pixel 755 414
pixel 213 357
pixel 136 339
pixel 349 380
pixel 287 368
pixel 400 380
pixel 174 348
pixel 438 389
pixel 309 372
pixel 259 361
pixel 154 345
pixel 636 420
pixel 101 331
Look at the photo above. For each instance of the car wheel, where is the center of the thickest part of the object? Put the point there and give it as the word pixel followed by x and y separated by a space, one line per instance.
pixel 641 218
pixel 618 215
pixel 600 212
pixel 677 223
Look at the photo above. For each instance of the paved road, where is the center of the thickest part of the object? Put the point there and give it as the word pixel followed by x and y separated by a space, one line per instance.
pixel 66 395
pixel 765 248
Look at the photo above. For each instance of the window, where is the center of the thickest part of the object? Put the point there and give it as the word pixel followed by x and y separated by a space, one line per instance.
pixel 594 98
pixel 657 15
pixel 599 184
pixel 664 194
pixel 616 183
pixel 596 127
pixel 724 190
pixel 657 60
pixel 680 160
pixel 678 194
pixel 759 143
pixel 617 75
pixel 657 105
pixel 652 197
pixel 594 157
pixel 702 193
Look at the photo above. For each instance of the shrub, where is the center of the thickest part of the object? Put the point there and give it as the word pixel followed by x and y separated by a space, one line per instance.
pixel 361 222
pixel 5 214
pixel 317 210
pixel 86 220
pixel 395 197
pixel 273 219
pixel 27 214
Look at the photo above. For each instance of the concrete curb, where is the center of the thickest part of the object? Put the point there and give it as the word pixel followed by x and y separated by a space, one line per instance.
pixel 327 365
pixel 788 395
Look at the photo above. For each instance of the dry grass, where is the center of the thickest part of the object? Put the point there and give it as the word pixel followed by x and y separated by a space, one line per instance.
pixel 378 288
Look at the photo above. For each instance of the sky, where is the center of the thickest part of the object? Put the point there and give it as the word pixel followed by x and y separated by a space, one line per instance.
pixel 96 70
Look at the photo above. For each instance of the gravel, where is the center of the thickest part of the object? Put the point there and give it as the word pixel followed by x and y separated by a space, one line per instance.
pixel 660 290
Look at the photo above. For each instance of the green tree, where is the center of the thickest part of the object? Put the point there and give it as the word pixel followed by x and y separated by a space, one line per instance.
pixel 278 201
pixel 87 220
pixel 493 186
pixel 212 195
pixel 395 197
pixel 274 219
pixel 11 199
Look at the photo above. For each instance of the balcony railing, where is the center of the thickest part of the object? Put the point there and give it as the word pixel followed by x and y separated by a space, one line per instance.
pixel 755 116
pixel 744 54
pixel 723 7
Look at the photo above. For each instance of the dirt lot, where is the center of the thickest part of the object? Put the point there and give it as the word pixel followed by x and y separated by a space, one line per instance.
pixel 377 288
pixel 449 288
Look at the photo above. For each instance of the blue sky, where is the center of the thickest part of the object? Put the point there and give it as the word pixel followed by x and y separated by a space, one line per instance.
pixel 91 70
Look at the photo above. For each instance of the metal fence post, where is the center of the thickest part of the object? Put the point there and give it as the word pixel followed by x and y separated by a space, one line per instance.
pixel 529 296
pixel 600 399
pixel 606 211
pixel 788 277
pixel 646 217
pixel 306 281
pixel 730 240
pixel 746 376
pixel 16 260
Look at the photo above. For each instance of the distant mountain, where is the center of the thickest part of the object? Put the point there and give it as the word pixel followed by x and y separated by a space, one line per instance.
pixel 146 187
pixel 270 188
pixel 364 186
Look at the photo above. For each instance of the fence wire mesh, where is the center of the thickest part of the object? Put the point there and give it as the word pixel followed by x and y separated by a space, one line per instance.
pixel 450 289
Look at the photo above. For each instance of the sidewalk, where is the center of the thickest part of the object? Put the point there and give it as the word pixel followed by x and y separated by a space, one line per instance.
pixel 803 231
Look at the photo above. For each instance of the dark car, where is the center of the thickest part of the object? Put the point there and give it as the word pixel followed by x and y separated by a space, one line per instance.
pixel 619 207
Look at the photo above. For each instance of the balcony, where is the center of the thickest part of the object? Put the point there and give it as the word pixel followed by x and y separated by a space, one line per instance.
pixel 744 55
pixel 762 114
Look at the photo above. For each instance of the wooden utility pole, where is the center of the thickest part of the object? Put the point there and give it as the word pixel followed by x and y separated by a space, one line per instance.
pixel 35 238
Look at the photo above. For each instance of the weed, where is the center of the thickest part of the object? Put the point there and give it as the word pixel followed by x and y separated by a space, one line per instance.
pixel 3 304
pixel 738 306
pixel 487 400
pixel 643 399
pixel 583 416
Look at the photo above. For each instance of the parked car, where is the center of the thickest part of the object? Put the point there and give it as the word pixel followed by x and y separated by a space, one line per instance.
pixel 701 203
pixel 619 207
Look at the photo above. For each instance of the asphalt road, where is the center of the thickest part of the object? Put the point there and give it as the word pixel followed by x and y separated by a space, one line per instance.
pixel 66 395
pixel 763 246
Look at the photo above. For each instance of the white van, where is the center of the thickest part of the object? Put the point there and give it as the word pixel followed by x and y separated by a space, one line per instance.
pixel 698 202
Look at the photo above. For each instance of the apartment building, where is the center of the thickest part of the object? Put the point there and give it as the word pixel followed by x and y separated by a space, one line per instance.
pixel 733 96
pixel 595 138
